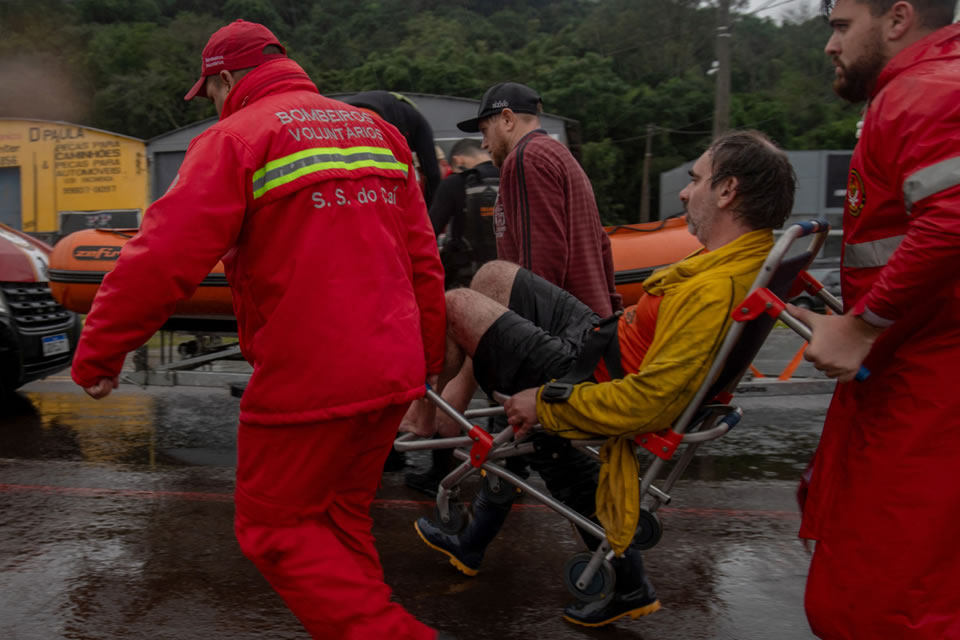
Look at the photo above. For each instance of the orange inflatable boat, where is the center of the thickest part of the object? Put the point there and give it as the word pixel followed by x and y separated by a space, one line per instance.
pixel 641 249
pixel 81 260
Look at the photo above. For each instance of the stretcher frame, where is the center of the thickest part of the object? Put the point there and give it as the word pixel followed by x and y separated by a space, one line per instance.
pixel 590 575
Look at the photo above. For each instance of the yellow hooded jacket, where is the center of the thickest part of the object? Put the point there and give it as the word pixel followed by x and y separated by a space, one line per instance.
pixel 699 293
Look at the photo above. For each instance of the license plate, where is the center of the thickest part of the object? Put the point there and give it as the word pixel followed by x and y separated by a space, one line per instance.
pixel 52 345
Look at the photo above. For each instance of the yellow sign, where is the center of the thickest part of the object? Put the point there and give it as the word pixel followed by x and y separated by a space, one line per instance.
pixel 68 169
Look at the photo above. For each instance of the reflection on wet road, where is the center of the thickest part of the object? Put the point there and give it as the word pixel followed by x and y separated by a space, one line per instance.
pixel 116 522
pixel 133 426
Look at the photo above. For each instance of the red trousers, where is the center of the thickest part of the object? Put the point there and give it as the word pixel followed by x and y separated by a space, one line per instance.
pixel 303 517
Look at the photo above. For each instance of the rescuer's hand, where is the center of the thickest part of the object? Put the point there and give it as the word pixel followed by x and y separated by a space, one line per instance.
pixel 839 343
pixel 522 412
pixel 102 388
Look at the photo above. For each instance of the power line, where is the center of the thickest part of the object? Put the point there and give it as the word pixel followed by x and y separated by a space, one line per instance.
pixel 763 8
pixel 659 129
pixel 623 46
pixel 707 119
pixel 684 131
pixel 768 6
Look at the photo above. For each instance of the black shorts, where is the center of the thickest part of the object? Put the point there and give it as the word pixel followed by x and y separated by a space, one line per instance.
pixel 537 340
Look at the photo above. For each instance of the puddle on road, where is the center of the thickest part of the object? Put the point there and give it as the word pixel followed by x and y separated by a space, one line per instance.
pixel 181 427
pixel 125 428
pixel 129 565
pixel 65 426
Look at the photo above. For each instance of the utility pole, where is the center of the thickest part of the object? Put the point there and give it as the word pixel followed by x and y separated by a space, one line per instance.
pixel 721 112
pixel 645 185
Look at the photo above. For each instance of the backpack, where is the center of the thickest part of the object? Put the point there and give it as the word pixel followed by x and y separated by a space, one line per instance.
pixel 481 196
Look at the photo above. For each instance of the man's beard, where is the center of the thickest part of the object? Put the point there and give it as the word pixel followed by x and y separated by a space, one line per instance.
pixel 856 82
pixel 499 156
pixel 697 226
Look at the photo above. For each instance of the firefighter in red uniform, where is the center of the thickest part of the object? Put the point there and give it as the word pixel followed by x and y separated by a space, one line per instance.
pixel 333 264
pixel 884 500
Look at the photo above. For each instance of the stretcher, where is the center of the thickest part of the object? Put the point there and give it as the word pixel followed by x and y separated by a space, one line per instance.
pixel 710 414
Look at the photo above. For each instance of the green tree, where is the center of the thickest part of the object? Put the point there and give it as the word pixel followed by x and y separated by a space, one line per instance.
pixel 603 162
pixel 114 11
pixel 261 11
pixel 615 66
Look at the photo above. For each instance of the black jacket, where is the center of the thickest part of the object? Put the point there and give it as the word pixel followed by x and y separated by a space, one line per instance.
pixel 402 114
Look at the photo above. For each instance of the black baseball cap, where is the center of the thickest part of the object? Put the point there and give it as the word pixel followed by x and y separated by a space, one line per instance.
pixel 517 97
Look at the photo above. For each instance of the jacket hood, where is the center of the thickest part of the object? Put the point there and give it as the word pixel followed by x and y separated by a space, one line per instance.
pixel 274 76
pixel 729 256
pixel 942 44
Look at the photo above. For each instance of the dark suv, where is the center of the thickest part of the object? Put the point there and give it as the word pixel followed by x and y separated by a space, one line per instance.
pixel 37 335
pixel 829 278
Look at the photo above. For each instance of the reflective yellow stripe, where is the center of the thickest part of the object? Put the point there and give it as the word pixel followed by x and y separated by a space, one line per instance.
pixel 287 169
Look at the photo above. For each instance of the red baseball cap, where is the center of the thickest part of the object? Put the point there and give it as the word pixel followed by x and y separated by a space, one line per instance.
pixel 239 45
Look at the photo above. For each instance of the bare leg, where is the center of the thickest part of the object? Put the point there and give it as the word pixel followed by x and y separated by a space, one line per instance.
pixel 469 315
pixel 421 416
pixel 495 280
pixel 458 394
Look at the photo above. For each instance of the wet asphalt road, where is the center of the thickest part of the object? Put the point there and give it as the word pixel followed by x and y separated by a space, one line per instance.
pixel 116 522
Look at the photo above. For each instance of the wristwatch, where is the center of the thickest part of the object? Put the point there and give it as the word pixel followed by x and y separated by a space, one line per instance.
pixel 556 392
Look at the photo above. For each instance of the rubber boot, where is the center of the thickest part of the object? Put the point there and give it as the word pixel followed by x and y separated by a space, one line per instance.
pixel 634 596
pixel 465 551
pixel 428 481
pixel 396 461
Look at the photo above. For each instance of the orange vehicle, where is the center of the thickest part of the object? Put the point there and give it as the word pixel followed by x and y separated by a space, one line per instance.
pixel 81 260
pixel 641 249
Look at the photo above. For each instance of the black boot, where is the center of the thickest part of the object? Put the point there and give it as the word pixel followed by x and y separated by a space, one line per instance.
pixel 634 596
pixel 489 511
pixel 396 461
pixel 428 481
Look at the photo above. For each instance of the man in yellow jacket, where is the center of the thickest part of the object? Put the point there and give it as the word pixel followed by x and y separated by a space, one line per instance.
pixel 632 374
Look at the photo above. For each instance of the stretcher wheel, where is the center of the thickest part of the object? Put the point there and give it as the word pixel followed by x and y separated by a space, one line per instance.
pixel 504 493
pixel 456 522
pixel 600 587
pixel 649 530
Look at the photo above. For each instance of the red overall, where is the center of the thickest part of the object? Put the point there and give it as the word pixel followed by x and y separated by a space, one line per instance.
pixel 884 498
pixel 306 523
pixel 338 293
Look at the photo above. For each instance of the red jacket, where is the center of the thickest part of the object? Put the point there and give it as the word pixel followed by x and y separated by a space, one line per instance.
pixel 314 208
pixel 884 498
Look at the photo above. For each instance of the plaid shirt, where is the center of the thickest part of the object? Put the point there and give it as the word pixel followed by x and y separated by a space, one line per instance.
pixel 546 220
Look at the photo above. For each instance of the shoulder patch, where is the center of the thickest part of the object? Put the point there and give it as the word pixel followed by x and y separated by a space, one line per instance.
pixel 856 194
